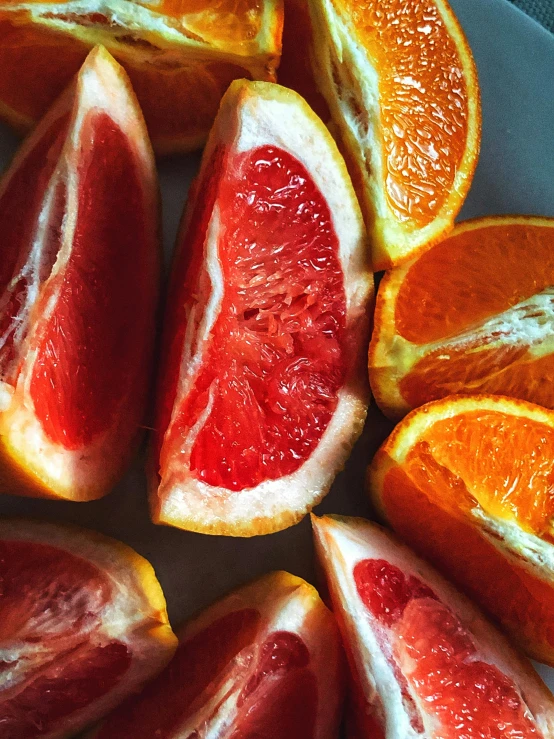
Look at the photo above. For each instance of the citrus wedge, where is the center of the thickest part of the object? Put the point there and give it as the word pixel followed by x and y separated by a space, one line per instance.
pixel 78 290
pixel 83 624
pixel 425 663
pixel 180 55
pixel 265 661
pixel 263 388
pixel 467 481
pixel 485 317
pixel 399 78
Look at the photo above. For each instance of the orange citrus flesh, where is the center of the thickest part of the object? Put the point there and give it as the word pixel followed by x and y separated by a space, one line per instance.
pixel 423 101
pixel 500 465
pixel 276 357
pixel 473 275
pixel 180 57
pixel 486 308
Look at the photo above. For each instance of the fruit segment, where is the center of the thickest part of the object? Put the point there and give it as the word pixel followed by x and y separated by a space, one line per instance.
pixel 265 661
pixel 467 481
pixel 402 88
pixel 486 318
pixel 83 625
pixel 78 290
pixel 180 56
pixel 424 662
pixel 262 388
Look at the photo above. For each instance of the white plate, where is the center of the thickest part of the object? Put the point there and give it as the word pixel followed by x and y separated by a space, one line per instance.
pixel 515 57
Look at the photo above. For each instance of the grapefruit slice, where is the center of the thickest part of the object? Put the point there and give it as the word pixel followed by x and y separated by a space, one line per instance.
pixel 265 661
pixel 181 56
pixel 486 319
pixel 425 662
pixel 467 481
pixel 83 624
pixel 402 87
pixel 263 387
pixel 78 290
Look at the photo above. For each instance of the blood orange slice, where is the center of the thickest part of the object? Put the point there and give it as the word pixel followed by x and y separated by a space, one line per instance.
pixel 263 388
pixel 485 323
pixel 83 624
pixel 265 661
pixel 467 481
pixel 181 56
pixel 425 662
pixel 401 84
pixel 78 290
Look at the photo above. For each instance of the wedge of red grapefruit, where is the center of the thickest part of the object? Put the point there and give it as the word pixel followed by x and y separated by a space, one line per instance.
pixel 83 624
pixel 78 290
pixel 425 663
pixel 263 389
pixel 266 661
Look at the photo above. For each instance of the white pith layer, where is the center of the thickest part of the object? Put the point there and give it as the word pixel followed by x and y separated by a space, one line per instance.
pixel 130 617
pixel 273 119
pixel 342 544
pixel 70 473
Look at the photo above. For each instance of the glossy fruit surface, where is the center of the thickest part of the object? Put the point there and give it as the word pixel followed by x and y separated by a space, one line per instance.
pixel 424 662
pixel 180 56
pixel 401 84
pixel 78 290
pixel 262 388
pixel 265 661
pixel 473 314
pixel 83 625
pixel 467 481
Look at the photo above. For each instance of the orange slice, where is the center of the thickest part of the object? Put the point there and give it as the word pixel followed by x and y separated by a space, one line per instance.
pixel 424 661
pixel 265 661
pixel 78 291
pixel 263 387
pixel 181 56
pixel 467 481
pixel 402 87
pixel 474 314
pixel 83 624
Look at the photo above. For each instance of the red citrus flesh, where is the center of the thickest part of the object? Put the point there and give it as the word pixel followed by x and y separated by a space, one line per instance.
pixel 424 662
pixel 438 658
pixel 78 290
pixel 53 600
pixel 275 361
pixel 245 673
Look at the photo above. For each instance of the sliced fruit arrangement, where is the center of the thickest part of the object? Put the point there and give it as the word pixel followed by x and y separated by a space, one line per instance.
pixel 78 290
pixel 402 88
pixel 467 481
pixel 263 387
pixel 424 661
pixel 180 56
pixel 474 314
pixel 83 625
pixel 266 661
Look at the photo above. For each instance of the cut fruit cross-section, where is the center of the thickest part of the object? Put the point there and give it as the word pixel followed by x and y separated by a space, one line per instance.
pixel 467 481
pixel 83 624
pixel 485 322
pixel 78 290
pixel 424 662
pixel 181 56
pixel 402 88
pixel 263 385
pixel 265 661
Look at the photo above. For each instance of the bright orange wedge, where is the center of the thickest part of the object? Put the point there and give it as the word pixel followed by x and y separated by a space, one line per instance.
pixel 399 78
pixel 474 314
pixel 468 481
pixel 181 56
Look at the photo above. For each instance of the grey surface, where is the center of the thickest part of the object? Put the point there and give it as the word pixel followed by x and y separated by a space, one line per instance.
pixel 516 174
pixel 541 10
